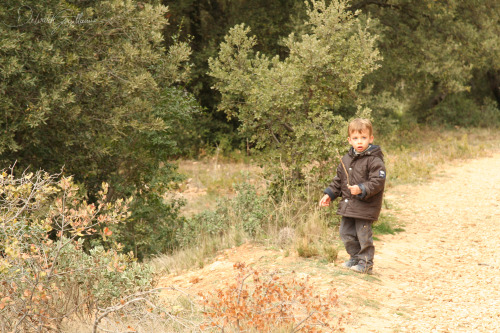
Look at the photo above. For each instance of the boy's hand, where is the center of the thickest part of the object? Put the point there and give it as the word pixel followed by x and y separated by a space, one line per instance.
pixel 355 190
pixel 325 201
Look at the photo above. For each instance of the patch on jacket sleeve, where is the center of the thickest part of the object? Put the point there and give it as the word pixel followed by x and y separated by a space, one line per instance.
pixel 381 174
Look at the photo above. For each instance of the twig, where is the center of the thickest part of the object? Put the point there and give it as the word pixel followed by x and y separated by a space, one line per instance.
pixel 296 328
pixel 20 321
pixel 172 287
pixel 239 297
pixel 274 135
pixel 345 170
pixel 115 308
pixel 193 304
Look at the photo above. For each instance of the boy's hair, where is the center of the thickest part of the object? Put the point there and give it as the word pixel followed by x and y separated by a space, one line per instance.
pixel 358 125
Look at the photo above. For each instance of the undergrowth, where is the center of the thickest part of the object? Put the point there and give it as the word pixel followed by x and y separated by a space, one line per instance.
pixel 412 155
pixel 48 278
pixel 265 302
pixel 386 224
pixel 294 222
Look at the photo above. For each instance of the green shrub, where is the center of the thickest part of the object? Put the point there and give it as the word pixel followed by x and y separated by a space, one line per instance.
pixel 386 225
pixel 306 248
pixel 206 223
pixel 462 110
pixel 290 106
pixel 248 211
pixel 251 209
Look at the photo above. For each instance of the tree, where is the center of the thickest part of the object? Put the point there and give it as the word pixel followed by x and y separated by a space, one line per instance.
pixel 440 58
pixel 204 24
pixel 291 105
pixel 82 86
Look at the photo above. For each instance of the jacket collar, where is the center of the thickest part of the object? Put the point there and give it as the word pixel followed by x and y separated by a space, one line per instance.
pixel 372 149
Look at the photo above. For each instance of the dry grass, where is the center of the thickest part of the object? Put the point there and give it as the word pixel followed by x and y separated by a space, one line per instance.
pixel 412 156
pixel 315 236
pixel 139 313
pixel 210 178
pixel 198 256
pixel 302 226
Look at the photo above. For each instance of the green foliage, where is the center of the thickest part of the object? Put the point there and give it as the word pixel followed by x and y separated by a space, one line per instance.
pixel 250 208
pixel 91 86
pixel 119 275
pixel 178 110
pixel 155 217
pixel 462 111
pixel 89 83
pixel 433 51
pixel 247 211
pixel 46 274
pixel 204 23
pixel 289 105
pixel 152 226
pixel 206 223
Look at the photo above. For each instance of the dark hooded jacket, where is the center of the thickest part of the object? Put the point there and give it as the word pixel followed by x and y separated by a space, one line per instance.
pixel 367 170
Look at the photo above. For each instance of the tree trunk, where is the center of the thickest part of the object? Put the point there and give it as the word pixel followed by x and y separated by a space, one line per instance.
pixel 494 82
pixel 426 108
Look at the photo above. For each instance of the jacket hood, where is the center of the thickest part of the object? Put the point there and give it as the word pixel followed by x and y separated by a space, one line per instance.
pixel 374 150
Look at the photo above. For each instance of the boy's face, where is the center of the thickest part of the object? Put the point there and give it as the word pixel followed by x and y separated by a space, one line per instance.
pixel 360 140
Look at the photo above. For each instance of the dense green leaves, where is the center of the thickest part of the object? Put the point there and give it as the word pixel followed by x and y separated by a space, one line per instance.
pixel 205 23
pixel 291 105
pixel 78 89
pixel 91 86
pixel 434 51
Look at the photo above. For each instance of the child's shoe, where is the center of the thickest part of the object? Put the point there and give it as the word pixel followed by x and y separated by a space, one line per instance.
pixel 350 263
pixel 362 269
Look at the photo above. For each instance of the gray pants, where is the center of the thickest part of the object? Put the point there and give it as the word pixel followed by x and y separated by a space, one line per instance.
pixel 358 239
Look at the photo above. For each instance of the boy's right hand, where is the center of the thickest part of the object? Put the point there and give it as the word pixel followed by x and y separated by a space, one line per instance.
pixel 325 201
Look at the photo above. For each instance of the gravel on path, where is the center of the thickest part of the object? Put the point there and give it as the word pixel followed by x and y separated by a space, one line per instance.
pixel 443 273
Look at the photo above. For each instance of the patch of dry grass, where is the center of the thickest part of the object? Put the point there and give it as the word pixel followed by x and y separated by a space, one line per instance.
pixel 210 178
pixel 411 156
pixel 199 255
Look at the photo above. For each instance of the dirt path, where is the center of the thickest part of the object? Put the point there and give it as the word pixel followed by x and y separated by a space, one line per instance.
pixel 441 275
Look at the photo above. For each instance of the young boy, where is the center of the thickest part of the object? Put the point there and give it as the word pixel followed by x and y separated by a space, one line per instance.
pixel 360 183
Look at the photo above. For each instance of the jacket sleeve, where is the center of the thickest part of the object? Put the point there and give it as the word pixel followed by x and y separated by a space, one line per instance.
pixel 376 179
pixel 334 190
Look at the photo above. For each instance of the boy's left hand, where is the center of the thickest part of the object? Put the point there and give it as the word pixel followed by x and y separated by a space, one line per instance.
pixel 355 190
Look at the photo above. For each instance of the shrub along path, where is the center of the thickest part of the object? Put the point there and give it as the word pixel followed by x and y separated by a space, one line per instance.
pixel 441 275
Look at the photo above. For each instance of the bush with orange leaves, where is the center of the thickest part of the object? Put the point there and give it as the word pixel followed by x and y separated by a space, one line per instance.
pixel 45 274
pixel 270 304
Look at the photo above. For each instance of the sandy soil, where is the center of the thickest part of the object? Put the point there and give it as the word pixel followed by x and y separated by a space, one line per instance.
pixel 441 275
